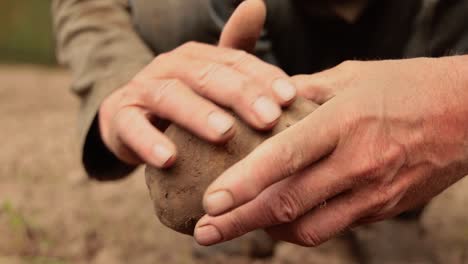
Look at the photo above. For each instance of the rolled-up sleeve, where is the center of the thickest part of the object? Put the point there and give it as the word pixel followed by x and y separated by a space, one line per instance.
pixel 96 40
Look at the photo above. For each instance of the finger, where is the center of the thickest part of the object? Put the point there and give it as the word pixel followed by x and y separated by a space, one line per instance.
pixel 267 76
pixel 323 86
pixel 281 203
pixel 279 157
pixel 135 134
pixel 324 222
pixel 245 26
pixel 313 88
pixel 173 100
pixel 224 86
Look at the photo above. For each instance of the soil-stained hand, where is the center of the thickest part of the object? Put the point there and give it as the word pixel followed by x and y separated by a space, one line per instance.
pixel 390 136
pixel 188 85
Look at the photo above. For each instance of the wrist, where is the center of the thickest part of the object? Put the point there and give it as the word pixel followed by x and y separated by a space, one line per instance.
pixel 456 82
pixel 442 134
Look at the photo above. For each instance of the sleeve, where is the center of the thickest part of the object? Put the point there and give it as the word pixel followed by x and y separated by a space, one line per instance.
pixel 439 29
pixel 450 30
pixel 96 40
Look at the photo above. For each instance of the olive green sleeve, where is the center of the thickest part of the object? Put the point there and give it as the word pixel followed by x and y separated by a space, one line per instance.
pixel 96 40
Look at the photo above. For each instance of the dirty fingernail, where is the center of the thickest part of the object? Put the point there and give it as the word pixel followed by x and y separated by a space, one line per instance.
pixel 284 89
pixel 162 154
pixel 218 202
pixel 207 235
pixel 220 122
pixel 267 110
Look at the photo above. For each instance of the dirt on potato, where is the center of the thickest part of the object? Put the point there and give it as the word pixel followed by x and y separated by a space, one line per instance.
pixel 177 192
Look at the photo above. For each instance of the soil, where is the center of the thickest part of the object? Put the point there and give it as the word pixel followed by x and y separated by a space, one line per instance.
pixel 50 213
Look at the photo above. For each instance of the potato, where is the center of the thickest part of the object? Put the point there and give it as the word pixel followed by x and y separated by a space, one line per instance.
pixel 177 192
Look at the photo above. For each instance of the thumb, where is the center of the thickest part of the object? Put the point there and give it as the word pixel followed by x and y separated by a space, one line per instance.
pixel 245 26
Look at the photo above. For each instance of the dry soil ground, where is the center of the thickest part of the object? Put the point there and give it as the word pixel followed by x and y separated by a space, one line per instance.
pixel 50 213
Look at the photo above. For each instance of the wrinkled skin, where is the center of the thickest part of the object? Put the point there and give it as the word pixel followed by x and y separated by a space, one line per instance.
pixel 177 192
pixel 389 137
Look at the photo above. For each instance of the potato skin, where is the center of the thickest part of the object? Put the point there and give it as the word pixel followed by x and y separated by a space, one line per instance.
pixel 177 192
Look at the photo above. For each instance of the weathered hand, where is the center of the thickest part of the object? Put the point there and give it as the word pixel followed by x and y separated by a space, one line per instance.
pixel 390 136
pixel 186 85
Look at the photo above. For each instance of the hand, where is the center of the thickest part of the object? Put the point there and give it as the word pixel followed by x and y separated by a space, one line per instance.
pixel 186 85
pixel 392 135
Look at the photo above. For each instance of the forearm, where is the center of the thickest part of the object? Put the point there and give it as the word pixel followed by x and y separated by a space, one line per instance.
pixel 96 40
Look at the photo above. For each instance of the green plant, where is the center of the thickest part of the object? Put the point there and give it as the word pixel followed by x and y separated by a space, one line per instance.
pixel 45 260
pixel 26 32
pixel 15 218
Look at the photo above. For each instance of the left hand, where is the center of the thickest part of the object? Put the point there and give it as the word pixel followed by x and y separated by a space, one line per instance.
pixel 390 136
pixel 183 86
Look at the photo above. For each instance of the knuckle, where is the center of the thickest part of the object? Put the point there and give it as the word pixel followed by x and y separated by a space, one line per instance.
pixel 347 66
pixel 381 199
pixel 386 200
pixel 205 75
pixel 365 169
pixel 236 58
pixel 381 163
pixel 308 238
pixel 190 45
pixel 122 143
pixel 132 85
pixel 242 92
pixel 284 209
pixel 286 158
pixel 353 119
pixel 161 58
pixel 348 72
pixel 165 64
pixel 378 155
pixel 130 94
pixel 162 92
pixel 394 154
pixel 249 63
pixel 125 124
pixel 159 66
pixel 123 117
pixel 237 225
pixel 122 151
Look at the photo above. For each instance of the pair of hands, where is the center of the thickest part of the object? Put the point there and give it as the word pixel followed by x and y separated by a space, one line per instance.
pixel 389 135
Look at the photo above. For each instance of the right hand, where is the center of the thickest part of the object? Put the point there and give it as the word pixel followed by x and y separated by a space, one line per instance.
pixel 186 85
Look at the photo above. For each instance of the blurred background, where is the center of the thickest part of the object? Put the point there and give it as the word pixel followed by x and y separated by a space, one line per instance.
pixel 25 32
pixel 49 212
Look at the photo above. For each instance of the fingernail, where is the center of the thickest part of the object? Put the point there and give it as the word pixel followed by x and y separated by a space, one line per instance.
pixel 162 154
pixel 267 110
pixel 218 202
pixel 207 235
pixel 220 122
pixel 284 89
